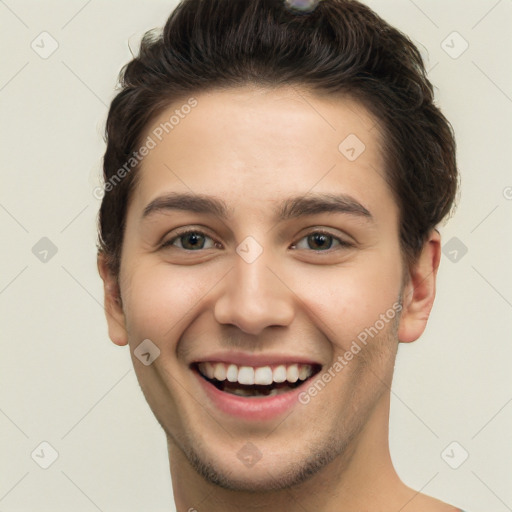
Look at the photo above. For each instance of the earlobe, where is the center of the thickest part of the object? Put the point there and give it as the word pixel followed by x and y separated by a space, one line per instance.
pixel 113 305
pixel 419 293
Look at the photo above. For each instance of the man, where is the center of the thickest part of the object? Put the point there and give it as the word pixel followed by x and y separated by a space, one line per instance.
pixel 274 175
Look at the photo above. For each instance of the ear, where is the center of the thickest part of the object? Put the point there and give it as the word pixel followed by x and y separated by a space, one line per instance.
pixel 419 292
pixel 113 305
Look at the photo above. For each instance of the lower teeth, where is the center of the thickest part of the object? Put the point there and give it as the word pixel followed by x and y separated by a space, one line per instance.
pixel 253 392
pixel 256 391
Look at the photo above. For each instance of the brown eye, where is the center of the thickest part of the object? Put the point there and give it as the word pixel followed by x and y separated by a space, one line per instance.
pixel 190 241
pixel 320 241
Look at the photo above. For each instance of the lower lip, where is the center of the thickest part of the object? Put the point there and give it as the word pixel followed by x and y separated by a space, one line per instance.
pixel 254 408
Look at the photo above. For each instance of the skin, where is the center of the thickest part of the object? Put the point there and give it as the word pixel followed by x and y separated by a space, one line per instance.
pixel 252 148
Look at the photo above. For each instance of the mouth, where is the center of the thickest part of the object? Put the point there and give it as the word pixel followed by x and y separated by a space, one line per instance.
pixel 255 381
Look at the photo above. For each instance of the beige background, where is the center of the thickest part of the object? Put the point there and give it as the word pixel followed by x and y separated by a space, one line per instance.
pixel 63 382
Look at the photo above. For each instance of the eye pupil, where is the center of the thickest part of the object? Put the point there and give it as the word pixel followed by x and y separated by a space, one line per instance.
pixel 320 239
pixel 195 239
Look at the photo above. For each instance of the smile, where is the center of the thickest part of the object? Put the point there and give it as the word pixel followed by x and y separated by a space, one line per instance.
pixel 257 381
pixel 253 392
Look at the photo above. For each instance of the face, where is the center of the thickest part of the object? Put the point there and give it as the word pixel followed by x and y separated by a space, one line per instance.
pixel 284 253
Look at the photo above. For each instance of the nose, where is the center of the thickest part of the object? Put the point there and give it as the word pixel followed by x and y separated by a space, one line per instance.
pixel 254 297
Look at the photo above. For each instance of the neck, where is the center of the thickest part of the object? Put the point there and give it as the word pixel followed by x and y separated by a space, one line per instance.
pixel 362 477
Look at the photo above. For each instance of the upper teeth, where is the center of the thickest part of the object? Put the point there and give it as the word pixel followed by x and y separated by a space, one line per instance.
pixel 263 375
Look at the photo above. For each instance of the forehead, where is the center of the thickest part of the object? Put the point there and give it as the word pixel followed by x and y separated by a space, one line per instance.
pixel 253 146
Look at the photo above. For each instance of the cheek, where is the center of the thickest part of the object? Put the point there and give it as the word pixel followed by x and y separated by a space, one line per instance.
pixel 160 298
pixel 346 300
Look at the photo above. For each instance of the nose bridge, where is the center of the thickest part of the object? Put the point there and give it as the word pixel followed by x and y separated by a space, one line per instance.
pixel 254 297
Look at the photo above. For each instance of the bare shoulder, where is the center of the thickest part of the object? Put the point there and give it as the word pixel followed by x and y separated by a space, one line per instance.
pixel 423 503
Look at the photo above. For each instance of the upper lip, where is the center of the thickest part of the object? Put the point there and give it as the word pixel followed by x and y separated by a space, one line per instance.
pixel 255 360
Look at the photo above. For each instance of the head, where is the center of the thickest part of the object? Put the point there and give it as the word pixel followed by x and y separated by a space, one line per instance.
pixel 275 172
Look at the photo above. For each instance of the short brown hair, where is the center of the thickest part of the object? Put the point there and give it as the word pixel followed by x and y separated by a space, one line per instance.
pixel 335 46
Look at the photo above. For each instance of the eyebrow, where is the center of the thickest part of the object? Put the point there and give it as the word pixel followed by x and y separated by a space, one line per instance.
pixel 291 208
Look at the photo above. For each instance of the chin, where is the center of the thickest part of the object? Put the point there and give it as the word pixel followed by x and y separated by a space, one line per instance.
pixel 250 479
pixel 282 471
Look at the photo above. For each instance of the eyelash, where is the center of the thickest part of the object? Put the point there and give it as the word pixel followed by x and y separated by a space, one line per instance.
pixel 342 243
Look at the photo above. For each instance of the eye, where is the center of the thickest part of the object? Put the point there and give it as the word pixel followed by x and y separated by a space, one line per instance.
pixel 190 240
pixel 320 241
